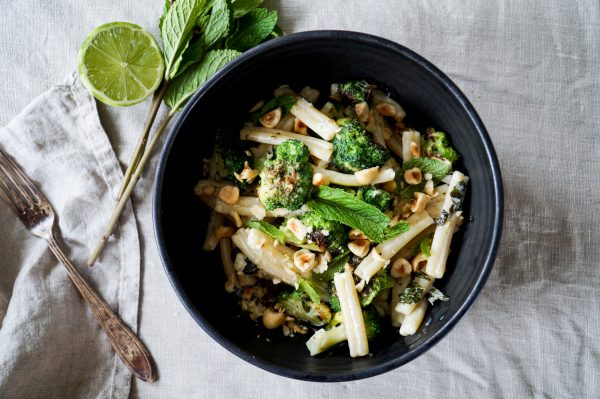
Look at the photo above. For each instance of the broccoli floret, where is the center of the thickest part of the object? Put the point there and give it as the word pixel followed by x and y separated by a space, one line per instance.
pixel 437 144
pixel 327 234
pixel 355 91
pixel 353 150
pixel 286 180
pixel 378 283
pixel 372 322
pixel 229 157
pixel 380 199
pixel 334 300
pixel 297 304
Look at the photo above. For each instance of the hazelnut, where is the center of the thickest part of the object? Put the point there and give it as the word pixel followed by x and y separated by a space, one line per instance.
pixel 356 234
pixel 367 176
pixel 412 176
pixel 272 319
pixel 300 127
pixel 414 149
pixel 359 248
pixel 362 111
pixel 400 268
pixel 229 194
pixel 304 260
pixel 319 180
pixel 390 186
pixel 419 262
pixel 420 202
pixel 271 119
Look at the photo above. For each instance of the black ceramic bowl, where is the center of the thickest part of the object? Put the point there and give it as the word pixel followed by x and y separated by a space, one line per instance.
pixel 317 59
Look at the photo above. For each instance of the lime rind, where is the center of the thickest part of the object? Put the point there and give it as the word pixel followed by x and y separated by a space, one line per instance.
pixel 121 64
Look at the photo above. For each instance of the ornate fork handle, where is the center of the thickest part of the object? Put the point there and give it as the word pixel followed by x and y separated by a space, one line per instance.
pixel 131 350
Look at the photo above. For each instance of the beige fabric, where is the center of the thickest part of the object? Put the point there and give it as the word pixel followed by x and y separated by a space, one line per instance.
pixel 531 70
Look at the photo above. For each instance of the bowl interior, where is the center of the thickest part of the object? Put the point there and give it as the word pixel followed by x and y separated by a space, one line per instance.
pixel 318 59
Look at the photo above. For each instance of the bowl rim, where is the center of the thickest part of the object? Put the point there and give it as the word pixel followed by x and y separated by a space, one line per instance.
pixel 491 251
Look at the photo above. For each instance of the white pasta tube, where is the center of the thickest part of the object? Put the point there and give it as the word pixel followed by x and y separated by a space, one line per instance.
pixel 384 175
pixel 442 237
pixel 436 203
pixel 414 292
pixel 380 256
pixel 225 247
pixel 320 123
pixel 413 320
pixel 351 314
pixel 211 241
pixel 400 285
pixel 376 126
pixel 266 253
pixel 319 148
pixel 411 144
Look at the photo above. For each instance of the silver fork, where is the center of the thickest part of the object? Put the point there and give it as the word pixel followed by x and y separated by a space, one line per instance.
pixel 34 210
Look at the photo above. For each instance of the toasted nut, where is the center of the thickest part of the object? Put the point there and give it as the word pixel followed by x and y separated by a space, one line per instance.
pixel 412 176
pixel 224 232
pixel 296 328
pixel 414 149
pixel 248 174
pixel 257 106
pixel 305 260
pixel 297 228
pixel 272 319
pixel 400 268
pixel 385 109
pixel 390 186
pixel 319 180
pixel 328 109
pixel 309 94
pixel 420 202
pixel 359 248
pixel 284 89
pixel 428 176
pixel 366 176
pixel 271 119
pixel 400 125
pixel 356 234
pixel 333 92
pixel 419 262
pixel 360 286
pixel 428 189
pixel 300 127
pixel 229 194
pixel 362 111
pixel 387 133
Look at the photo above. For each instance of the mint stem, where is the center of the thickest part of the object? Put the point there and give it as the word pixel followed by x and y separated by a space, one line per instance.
pixel 141 146
pixel 135 177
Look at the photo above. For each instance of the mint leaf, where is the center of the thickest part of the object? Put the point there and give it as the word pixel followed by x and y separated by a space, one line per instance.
pixel 408 193
pixel 219 23
pixel 252 29
pixel 306 286
pixel 162 17
pixel 343 207
pixel 243 7
pixel 192 54
pixel 438 168
pixel 186 84
pixel 425 246
pixel 336 265
pixel 396 230
pixel 176 31
pixel 268 229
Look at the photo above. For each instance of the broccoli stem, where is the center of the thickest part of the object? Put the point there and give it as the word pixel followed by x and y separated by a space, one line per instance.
pixel 319 148
pixel 324 339
pixel 349 180
pixel 320 123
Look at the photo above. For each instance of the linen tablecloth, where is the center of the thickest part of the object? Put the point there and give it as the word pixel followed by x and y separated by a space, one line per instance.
pixel 531 70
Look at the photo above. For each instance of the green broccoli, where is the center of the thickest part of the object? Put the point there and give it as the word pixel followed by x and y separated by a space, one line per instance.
pixel 286 180
pixel 297 304
pixel 229 157
pixel 335 333
pixel 379 198
pixel 355 91
pixel 327 234
pixel 437 144
pixel 379 282
pixel 353 150
pixel 334 300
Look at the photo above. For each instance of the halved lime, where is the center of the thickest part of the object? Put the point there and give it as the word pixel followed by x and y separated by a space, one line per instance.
pixel 121 63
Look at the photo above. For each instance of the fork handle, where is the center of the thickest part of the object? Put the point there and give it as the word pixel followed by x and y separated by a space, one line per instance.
pixel 129 347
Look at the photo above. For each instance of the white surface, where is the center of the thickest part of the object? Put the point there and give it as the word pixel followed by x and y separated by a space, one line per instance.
pixel 531 70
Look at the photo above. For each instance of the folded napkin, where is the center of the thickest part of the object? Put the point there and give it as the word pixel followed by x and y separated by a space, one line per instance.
pixel 50 342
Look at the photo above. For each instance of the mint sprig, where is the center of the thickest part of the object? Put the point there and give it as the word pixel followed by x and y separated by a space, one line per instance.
pixel 199 37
